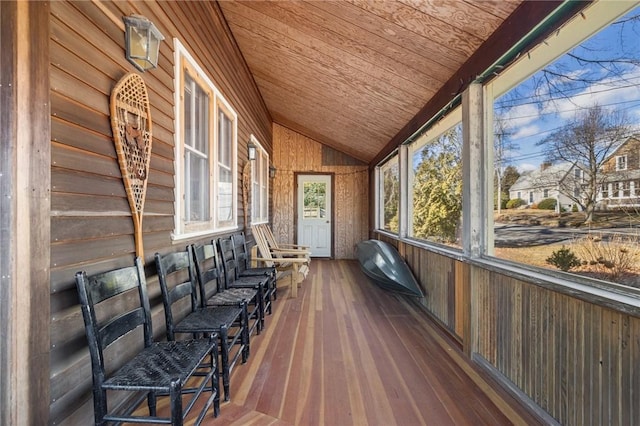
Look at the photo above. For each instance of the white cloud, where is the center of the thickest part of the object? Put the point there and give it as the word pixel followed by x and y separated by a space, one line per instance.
pixel 525 131
pixel 610 93
pixel 526 167
pixel 521 115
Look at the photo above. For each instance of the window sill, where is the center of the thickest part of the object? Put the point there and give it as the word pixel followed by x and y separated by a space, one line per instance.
pixel 602 293
pixel 191 235
pixel 615 296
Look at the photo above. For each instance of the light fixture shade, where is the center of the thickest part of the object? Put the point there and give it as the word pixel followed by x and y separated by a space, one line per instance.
pixel 252 151
pixel 142 42
pixel 272 171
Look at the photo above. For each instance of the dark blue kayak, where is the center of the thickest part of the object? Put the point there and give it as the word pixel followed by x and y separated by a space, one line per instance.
pixel 382 263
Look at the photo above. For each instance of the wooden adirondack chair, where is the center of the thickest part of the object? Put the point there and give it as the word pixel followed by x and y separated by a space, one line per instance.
pixel 285 250
pixel 292 265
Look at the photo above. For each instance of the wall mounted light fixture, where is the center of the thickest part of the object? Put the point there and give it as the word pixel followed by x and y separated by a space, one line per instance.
pixel 272 171
pixel 142 42
pixel 252 151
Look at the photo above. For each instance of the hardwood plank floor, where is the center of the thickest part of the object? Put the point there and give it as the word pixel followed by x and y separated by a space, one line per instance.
pixel 346 352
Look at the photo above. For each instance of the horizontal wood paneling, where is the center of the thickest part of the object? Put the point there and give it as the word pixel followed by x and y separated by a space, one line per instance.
pixel 576 360
pixel 294 153
pixel 91 221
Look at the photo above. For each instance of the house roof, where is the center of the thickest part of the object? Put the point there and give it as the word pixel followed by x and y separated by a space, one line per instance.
pixel 362 76
pixel 623 143
pixel 542 178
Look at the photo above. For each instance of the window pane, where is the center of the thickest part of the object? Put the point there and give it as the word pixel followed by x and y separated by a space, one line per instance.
pixel 225 175
pixel 436 187
pixel 567 138
pixel 390 194
pixel 197 176
pixel 225 197
pixel 259 185
pixel 196 164
pixel 201 140
pixel 224 139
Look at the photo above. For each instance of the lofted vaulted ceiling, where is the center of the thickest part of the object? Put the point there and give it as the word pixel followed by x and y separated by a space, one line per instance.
pixel 351 74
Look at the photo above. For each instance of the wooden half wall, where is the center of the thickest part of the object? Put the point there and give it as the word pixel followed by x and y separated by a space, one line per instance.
pixel 574 358
pixel 571 357
pixel 294 153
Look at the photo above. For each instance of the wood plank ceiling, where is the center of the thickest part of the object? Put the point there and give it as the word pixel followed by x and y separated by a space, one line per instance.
pixel 350 74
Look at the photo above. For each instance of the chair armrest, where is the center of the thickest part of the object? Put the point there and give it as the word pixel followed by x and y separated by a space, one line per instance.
pixel 294 246
pixel 281 259
pixel 285 251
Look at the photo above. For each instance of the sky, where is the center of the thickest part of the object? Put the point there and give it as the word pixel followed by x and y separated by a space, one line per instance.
pixel 609 76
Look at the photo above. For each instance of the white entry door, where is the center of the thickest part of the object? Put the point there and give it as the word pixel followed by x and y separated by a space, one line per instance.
pixel 314 214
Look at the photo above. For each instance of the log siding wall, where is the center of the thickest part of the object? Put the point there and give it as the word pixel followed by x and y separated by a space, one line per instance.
pixel 294 153
pixel 91 226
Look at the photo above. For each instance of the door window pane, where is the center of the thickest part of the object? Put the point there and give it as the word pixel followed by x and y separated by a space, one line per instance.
pixel 315 200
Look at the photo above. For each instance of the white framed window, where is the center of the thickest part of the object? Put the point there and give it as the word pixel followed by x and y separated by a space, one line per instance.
pixel 259 185
pixel 205 152
pixel 625 189
pixel 621 162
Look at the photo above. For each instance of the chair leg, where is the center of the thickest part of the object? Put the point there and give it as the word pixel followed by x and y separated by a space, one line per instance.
pixel 175 394
pixel 245 328
pixel 151 402
pixel 215 384
pixel 224 354
pixel 261 302
pixel 294 283
pixel 275 287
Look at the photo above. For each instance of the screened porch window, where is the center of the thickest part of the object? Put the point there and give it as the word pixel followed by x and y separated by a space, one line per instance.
pixel 571 102
pixel 389 195
pixel 435 182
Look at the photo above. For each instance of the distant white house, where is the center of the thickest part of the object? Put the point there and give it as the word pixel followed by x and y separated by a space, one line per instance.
pixel 549 181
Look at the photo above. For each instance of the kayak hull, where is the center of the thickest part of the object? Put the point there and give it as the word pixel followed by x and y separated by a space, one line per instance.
pixel 382 263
